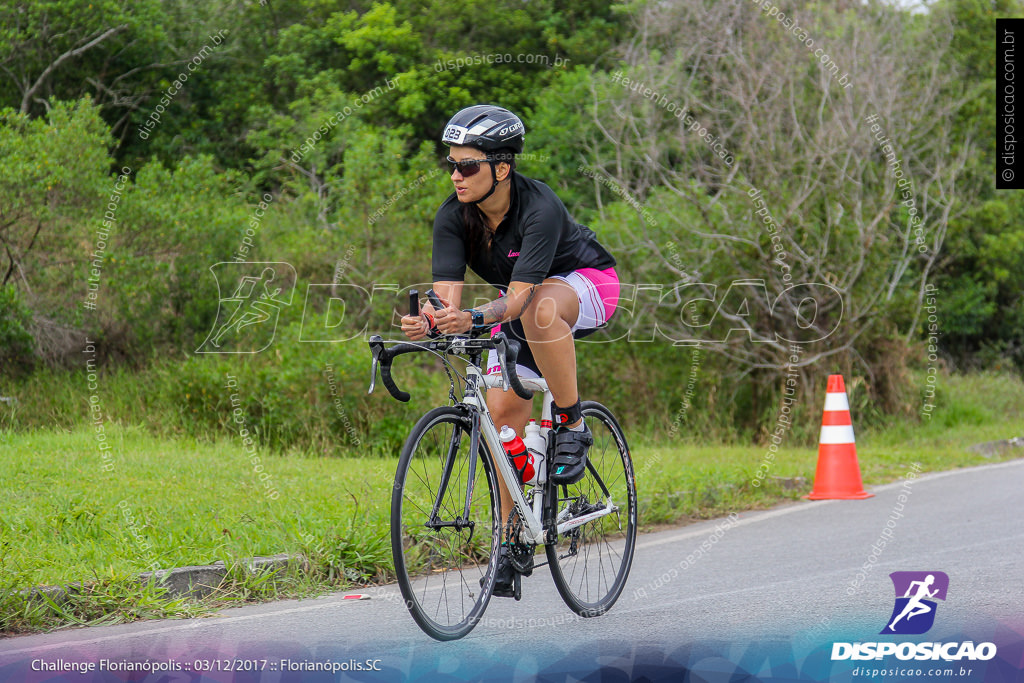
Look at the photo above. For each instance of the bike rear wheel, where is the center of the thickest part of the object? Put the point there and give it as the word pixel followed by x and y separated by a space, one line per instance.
pixel 590 562
pixel 440 563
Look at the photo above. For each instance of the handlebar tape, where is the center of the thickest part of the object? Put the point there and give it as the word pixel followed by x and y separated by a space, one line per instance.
pixel 511 354
pixel 385 376
pixel 386 356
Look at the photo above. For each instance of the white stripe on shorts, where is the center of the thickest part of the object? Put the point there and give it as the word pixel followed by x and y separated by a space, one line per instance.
pixel 591 307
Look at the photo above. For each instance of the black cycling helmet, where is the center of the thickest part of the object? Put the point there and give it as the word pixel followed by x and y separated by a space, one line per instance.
pixel 490 129
pixel 486 127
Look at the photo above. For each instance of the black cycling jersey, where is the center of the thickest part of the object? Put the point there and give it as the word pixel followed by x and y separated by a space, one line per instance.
pixel 536 239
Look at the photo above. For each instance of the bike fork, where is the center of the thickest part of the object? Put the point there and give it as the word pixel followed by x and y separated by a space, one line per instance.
pixel 453 450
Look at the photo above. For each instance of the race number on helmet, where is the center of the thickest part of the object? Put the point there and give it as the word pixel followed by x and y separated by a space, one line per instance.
pixel 486 127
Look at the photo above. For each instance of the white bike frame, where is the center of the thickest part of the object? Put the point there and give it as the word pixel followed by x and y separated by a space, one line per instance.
pixel 532 518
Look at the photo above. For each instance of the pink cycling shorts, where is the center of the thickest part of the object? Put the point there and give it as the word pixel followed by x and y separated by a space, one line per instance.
pixel 598 294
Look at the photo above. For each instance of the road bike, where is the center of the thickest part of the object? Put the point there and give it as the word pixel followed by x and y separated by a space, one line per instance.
pixel 446 530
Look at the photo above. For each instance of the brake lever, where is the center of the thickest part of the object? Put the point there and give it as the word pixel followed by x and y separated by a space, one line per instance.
pixel 376 348
pixel 500 346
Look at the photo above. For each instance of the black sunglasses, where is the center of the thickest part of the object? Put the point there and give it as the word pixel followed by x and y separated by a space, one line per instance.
pixel 467 167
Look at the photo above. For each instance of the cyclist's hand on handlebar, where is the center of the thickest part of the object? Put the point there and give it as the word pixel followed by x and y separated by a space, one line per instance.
pixel 415 327
pixel 450 320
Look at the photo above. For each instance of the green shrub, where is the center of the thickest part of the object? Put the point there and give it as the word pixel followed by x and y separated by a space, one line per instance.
pixel 16 342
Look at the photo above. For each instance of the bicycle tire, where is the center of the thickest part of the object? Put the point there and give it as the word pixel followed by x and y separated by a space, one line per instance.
pixel 590 564
pixel 439 569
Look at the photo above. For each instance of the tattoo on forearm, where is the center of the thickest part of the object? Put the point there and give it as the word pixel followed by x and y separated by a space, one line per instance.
pixel 529 297
pixel 494 311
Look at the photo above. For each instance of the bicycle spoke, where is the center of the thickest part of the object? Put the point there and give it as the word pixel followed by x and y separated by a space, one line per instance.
pixel 590 562
pixel 438 564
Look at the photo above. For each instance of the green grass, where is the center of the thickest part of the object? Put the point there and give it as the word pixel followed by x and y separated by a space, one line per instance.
pixel 680 482
pixel 174 503
pixel 70 514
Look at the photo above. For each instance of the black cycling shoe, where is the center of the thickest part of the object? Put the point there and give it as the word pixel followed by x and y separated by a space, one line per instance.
pixel 506 576
pixel 570 461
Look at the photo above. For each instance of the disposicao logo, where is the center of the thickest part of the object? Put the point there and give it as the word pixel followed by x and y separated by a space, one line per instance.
pixel 247 318
pixel 913 614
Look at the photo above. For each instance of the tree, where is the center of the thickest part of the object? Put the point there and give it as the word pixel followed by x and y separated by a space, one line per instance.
pixel 756 158
pixel 981 272
pixel 40 40
pixel 53 184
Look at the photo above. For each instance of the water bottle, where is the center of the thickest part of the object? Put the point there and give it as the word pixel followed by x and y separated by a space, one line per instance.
pixel 522 460
pixel 537 445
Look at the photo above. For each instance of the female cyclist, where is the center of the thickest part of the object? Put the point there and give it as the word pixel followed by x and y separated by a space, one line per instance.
pixel 556 282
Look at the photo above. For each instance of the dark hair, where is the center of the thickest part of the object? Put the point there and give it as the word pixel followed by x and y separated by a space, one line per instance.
pixel 507 155
pixel 478 237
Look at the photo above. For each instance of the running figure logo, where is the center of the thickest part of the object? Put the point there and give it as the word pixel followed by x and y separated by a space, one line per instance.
pixel 247 320
pixel 914 612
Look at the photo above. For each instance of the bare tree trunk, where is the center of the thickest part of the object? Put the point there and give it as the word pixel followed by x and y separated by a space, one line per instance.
pixel 30 91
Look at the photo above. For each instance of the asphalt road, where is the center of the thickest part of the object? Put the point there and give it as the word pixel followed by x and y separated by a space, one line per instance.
pixel 767 593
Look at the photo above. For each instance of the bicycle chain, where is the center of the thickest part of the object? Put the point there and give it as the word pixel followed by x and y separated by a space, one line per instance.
pixel 520 554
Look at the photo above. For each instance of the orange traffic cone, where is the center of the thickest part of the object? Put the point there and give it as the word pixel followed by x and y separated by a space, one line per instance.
pixel 838 474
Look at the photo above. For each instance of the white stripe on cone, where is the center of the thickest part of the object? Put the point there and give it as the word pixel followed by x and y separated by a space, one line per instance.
pixel 836 434
pixel 837 401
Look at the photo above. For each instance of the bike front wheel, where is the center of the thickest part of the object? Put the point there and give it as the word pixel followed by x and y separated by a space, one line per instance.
pixel 590 562
pixel 441 554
